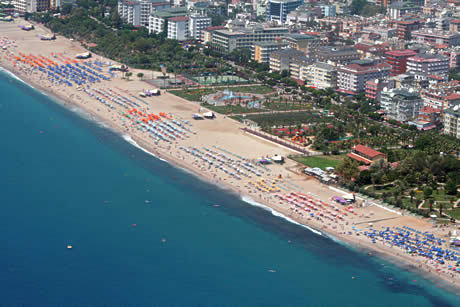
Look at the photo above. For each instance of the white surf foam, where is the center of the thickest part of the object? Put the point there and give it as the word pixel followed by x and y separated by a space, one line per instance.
pixel 130 140
pixel 12 75
pixel 252 202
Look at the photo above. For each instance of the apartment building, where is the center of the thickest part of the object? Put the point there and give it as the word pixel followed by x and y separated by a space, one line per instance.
pixel 31 6
pixel 433 37
pixel 337 55
pixel 158 20
pixel 398 60
pixel 197 24
pixel 452 122
pixel 406 27
pixel 351 79
pixel 400 8
pixel 401 104
pixel 430 64
pixel 260 51
pixel 303 42
pixel 322 75
pixel 137 12
pixel 228 40
pixel 375 87
pixel 280 60
pixel 178 28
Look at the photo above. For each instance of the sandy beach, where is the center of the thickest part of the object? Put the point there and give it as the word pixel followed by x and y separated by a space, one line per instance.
pixel 219 151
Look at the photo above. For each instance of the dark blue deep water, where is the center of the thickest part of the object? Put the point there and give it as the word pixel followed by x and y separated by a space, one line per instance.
pixel 66 180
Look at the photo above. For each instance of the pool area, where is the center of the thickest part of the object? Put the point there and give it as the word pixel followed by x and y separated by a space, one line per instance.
pixel 229 95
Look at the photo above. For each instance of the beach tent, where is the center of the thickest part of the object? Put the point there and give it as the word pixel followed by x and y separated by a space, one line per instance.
pixel 208 115
pixel 349 197
pixel 278 159
pixel 84 55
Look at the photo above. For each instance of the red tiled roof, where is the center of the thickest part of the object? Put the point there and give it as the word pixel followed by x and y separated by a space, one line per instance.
pixel 453 96
pixel 406 52
pixel 179 18
pixel 436 77
pixel 429 109
pixel 367 151
pixel 215 28
pixel 358 158
pixel 160 3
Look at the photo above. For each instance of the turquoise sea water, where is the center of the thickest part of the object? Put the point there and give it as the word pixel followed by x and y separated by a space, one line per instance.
pixel 66 180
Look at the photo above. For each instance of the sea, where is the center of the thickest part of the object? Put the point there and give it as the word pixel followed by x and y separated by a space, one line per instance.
pixel 145 233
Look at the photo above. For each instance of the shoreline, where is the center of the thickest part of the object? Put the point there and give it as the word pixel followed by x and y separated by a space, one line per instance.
pixel 268 203
pixel 387 255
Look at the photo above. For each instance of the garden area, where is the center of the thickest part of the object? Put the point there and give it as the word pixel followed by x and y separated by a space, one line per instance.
pixel 197 93
pixel 322 162
pixel 421 182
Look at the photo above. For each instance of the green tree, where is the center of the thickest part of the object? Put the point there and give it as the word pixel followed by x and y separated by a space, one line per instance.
pixel 451 187
pixel 427 191
pixel 412 194
pixel 348 168
pixel 66 8
pixel 128 74
pixel 140 75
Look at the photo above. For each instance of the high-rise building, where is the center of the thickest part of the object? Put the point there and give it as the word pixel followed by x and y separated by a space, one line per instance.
pixel 197 24
pixel 278 9
pixel 398 60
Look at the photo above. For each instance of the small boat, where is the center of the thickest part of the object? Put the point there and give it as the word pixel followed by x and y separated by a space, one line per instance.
pixel 69 246
pixel 147 201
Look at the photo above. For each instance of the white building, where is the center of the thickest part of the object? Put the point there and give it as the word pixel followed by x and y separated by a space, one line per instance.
pixel 158 20
pixel 137 12
pixel 401 104
pixel 130 12
pixel 452 122
pixel 178 28
pixel 31 6
pixel 197 24
pixel 322 75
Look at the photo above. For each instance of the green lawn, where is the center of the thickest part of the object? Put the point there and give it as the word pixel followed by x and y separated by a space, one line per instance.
pixel 280 106
pixel 319 161
pixel 196 94
pixel 231 109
